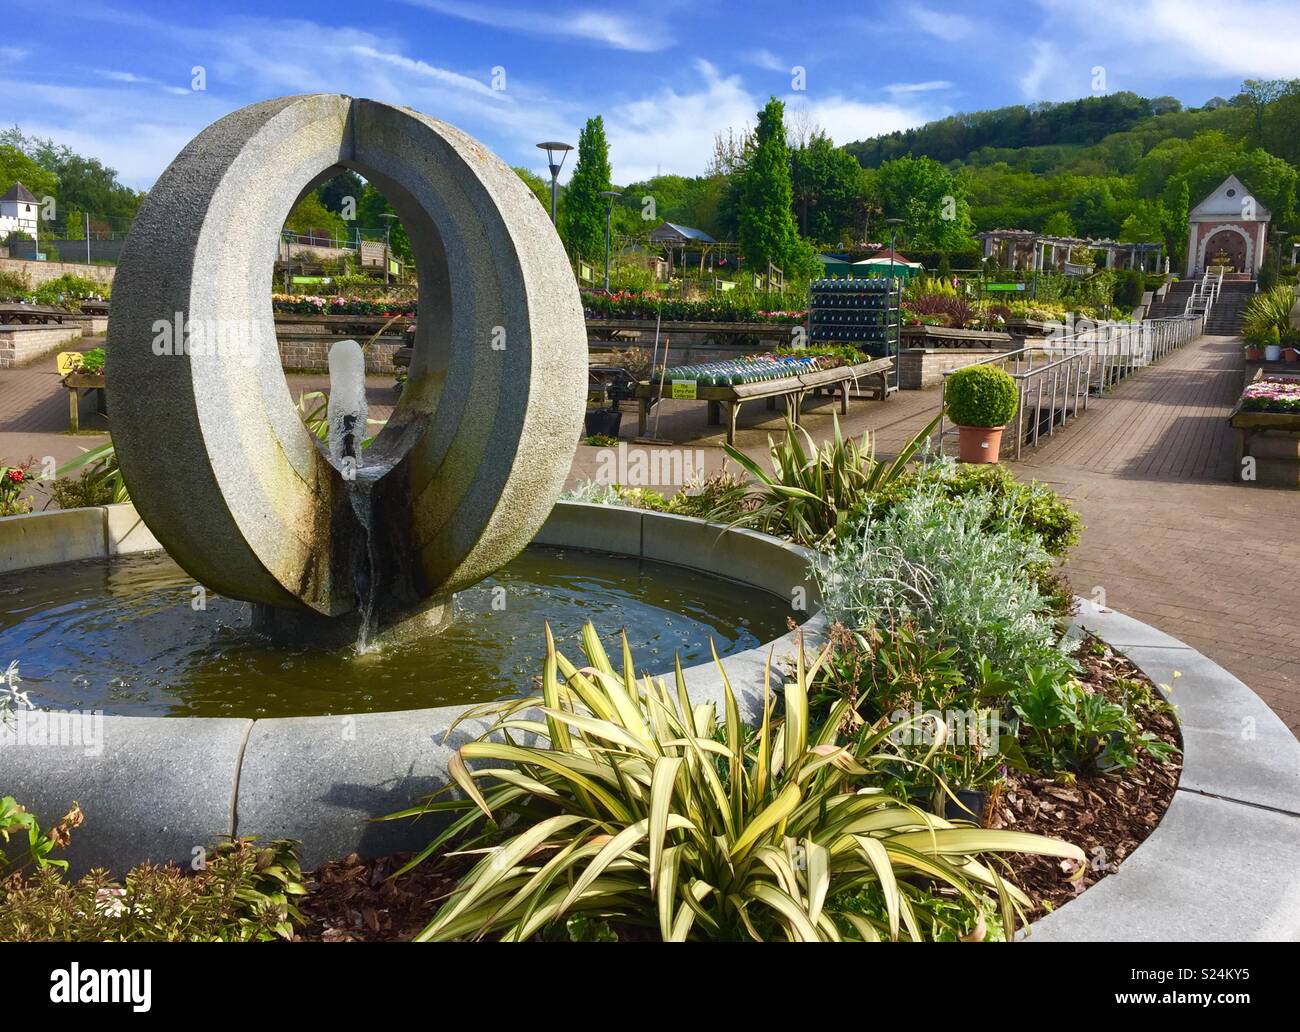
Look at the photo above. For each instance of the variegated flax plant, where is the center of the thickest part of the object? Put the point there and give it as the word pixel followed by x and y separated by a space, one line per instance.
pixel 611 798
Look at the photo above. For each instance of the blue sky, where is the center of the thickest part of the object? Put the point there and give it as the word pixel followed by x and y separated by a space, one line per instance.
pixel 113 78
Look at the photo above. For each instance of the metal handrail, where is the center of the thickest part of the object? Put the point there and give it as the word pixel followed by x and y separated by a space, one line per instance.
pixel 1028 376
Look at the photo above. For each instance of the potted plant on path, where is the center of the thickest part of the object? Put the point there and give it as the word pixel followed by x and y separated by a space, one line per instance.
pixel 981 400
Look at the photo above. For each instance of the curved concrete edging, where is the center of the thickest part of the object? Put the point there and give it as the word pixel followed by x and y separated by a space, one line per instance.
pixel 161 788
pixel 1223 864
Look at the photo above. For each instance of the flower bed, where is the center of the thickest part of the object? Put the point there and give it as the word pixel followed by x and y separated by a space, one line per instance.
pixel 630 305
pixel 1272 394
pixel 310 304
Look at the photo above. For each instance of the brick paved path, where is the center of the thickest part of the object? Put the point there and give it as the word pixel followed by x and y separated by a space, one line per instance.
pixel 1170 539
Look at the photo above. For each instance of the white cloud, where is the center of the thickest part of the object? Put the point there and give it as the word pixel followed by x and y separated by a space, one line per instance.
pixel 426 70
pixel 846 120
pixel 1248 38
pixel 673 130
pixel 908 88
pixel 942 25
pixel 640 32
pixel 766 60
pixel 13 53
pixel 1046 60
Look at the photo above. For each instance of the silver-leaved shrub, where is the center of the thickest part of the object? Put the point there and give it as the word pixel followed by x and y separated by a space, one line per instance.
pixel 957 569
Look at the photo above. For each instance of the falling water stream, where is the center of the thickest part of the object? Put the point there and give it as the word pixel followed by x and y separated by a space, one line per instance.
pixel 361 495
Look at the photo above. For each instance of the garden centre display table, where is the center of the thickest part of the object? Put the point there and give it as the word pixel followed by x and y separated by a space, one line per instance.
pixel 32 314
pixel 77 381
pixel 792 388
pixel 1249 422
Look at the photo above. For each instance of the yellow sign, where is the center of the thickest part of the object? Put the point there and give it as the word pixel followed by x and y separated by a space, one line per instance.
pixel 684 389
pixel 67 361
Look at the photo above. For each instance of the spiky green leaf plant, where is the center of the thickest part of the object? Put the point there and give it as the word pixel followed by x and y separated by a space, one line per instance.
pixel 615 798
pixel 812 492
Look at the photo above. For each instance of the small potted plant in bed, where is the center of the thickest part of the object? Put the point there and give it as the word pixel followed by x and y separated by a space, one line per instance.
pixel 981 400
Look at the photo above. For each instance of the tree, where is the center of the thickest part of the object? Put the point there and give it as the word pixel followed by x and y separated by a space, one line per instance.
pixel 931 203
pixel 830 189
pixel 333 193
pixel 310 215
pixel 540 188
pixel 1059 224
pixel 765 216
pixel 17 167
pixel 582 223
pixel 371 207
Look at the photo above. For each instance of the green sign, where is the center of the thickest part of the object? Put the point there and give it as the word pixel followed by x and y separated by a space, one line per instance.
pixel 684 389
pixel 1004 286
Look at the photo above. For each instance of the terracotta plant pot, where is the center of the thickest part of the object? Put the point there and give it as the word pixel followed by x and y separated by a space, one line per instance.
pixel 1291 354
pixel 1254 354
pixel 979 444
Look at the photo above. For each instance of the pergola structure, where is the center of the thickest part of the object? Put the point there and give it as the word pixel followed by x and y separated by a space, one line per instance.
pixel 1032 251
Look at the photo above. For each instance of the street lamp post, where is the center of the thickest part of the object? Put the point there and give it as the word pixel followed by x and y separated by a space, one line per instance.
pixel 388 232
pixel 610 196
pixel 552 148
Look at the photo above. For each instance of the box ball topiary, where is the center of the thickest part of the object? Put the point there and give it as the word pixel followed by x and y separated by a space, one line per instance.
pixel 981 395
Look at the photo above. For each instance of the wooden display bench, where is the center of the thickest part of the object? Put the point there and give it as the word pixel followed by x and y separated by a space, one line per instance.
pixel 76 382
pixel 793 389
pixel 1248 424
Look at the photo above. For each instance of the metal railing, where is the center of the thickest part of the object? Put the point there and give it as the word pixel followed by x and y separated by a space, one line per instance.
pixel 1205 292
pixel 1054 379
pixel 1059 375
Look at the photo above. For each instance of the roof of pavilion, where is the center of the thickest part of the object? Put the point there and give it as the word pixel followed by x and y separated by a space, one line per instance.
pixel 1033 236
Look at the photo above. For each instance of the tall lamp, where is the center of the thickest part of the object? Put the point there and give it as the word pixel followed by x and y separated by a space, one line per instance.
pixel 552 149
pixel 610 196
pixel 388 218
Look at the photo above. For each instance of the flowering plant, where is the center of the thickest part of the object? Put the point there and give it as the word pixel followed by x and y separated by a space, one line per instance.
pixel 13 482
pixel 1280 394
pixel 312 304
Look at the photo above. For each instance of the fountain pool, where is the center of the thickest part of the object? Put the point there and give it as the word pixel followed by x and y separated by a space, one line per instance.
pixel 124 637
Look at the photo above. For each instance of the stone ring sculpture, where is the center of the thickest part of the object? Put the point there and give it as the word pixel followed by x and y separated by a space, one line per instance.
pixel 219 463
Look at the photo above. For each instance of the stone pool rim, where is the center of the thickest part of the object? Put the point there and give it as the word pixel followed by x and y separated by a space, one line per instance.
pixel 1223 864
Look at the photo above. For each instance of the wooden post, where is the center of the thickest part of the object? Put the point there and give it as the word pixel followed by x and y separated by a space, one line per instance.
pixel 74 411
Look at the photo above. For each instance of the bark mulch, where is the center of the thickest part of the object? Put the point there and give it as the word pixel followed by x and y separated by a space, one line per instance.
pixel 1108 815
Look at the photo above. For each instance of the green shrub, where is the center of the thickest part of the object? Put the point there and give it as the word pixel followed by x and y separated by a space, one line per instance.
pixel 960 573
pixel 1130 285
pixel 1267 315
pixel 92 361
pixel 812 492
pixel 1033 507
pixel 14 286
pixel 99 483
pixel 69 287
pixel 1065 725
pixel 636 807
pixel 243 892
pixel 980 395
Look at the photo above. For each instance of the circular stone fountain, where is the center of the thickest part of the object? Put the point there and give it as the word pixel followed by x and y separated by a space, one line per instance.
pixel 307 552
pixel 220 465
